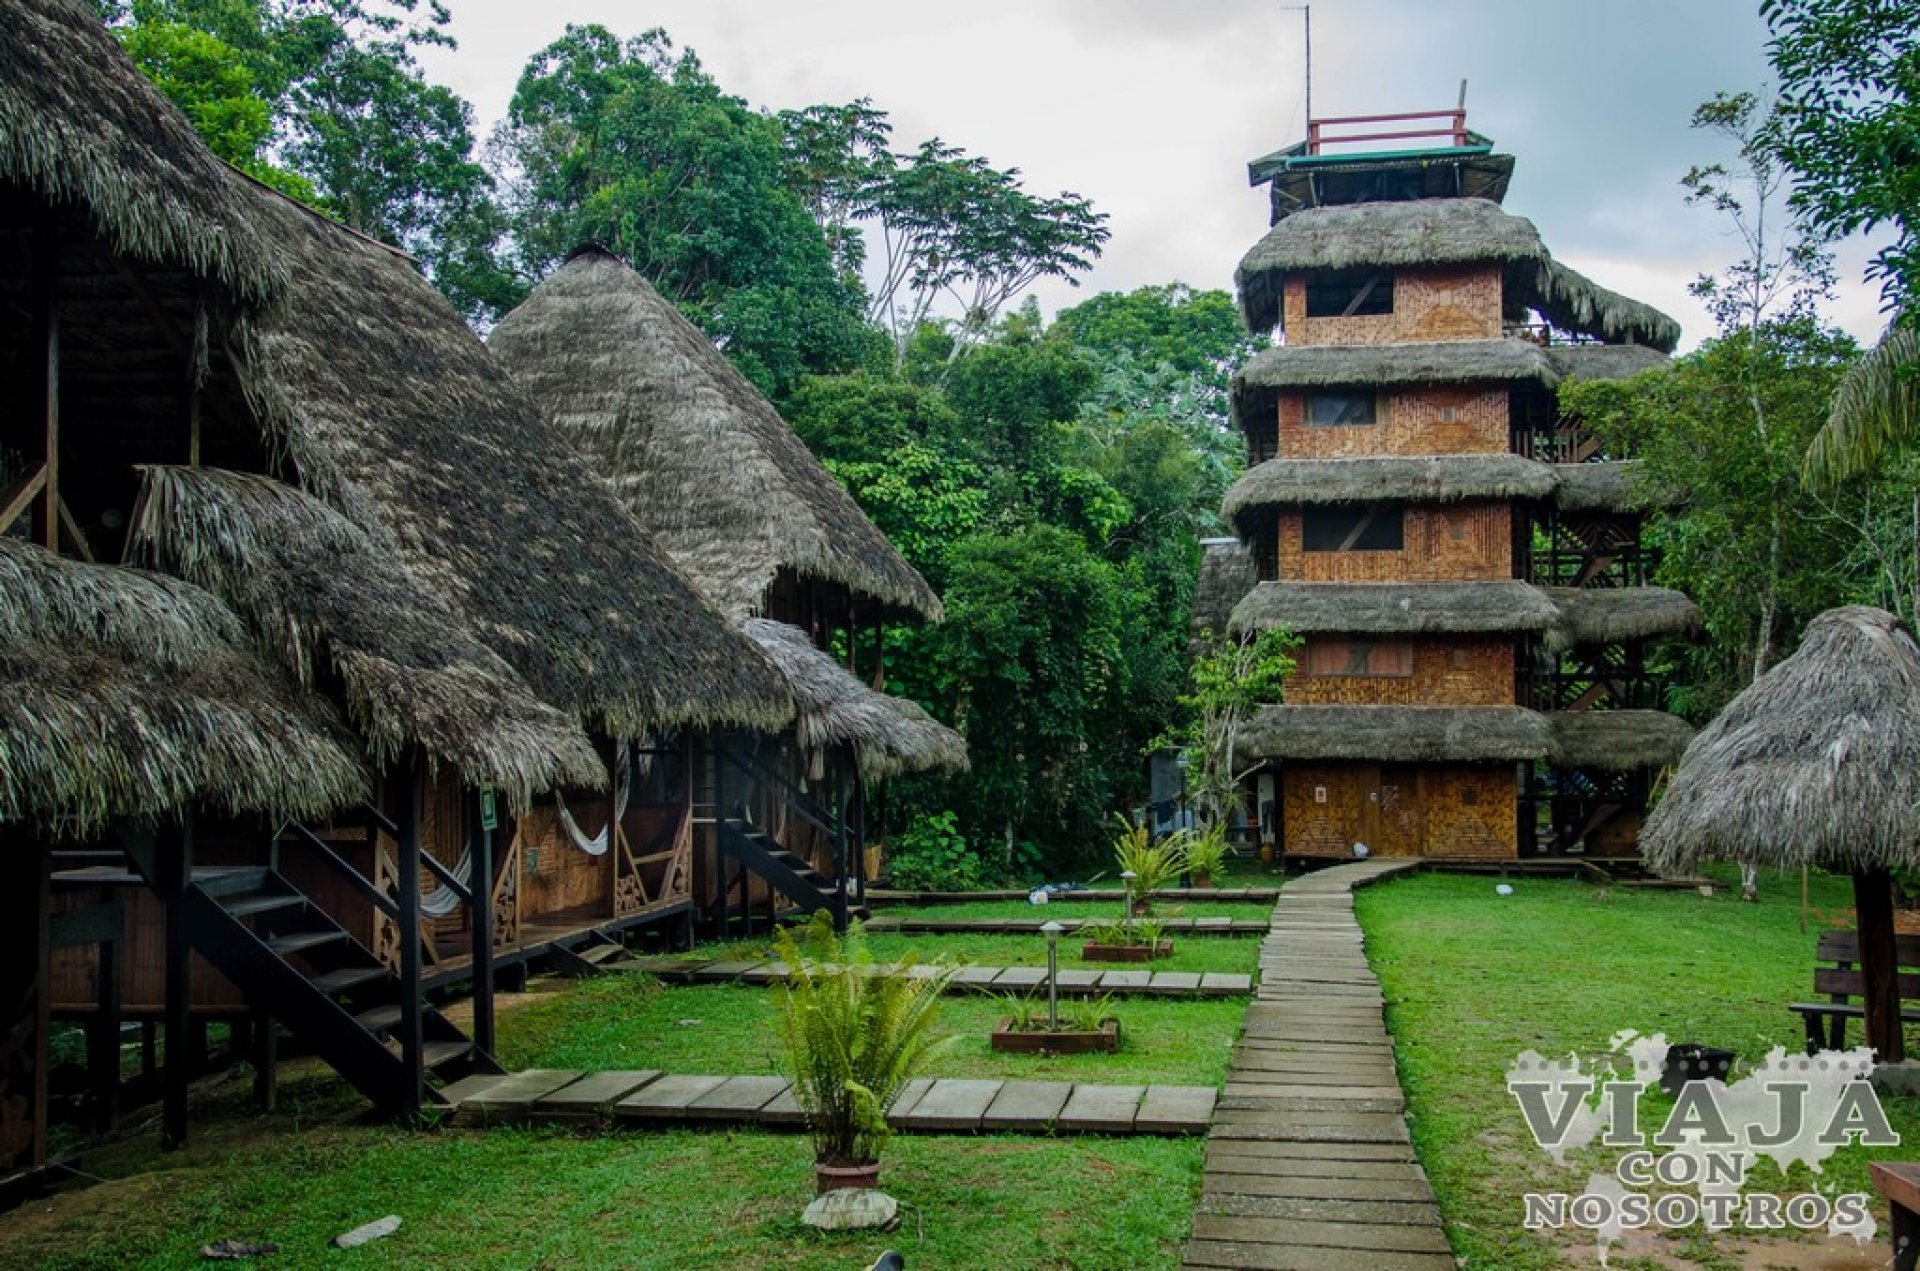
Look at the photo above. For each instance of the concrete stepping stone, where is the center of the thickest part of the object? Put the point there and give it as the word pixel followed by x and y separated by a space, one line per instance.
pixel 591 1097
pixel 1026 1105
pixel 952 1105
pixel 666 1098
pixel 1101 1109
pixel 1175 1110
pixel 737 1099
pixel 513 1099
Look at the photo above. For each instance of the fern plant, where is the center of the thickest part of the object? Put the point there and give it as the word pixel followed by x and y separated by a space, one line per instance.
pixel 1154 865
pixel 855 1032
pixel 1206 852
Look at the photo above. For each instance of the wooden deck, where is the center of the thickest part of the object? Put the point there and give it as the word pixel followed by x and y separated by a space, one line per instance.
pixel 1309 1164
pixel 645 1098
pixel 1135 981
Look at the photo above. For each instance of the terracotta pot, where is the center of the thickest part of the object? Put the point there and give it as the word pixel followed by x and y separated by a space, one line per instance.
pixel 833 1178
pixel 1203 881
pixel 1142 908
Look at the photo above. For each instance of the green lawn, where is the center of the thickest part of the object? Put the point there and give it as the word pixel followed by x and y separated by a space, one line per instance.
pixel 1473 978
pixel 540 1198
pixel 1235 954
pixel 630 1021
pixel 1088 910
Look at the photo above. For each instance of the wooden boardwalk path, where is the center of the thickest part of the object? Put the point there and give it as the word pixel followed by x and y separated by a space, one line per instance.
pixel 1134 981
pixel 928 1106
pixel 1309 1164
pixel 1111 895
pixel 1031 926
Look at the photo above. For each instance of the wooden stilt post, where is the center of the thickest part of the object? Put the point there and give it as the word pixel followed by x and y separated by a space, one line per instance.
pixel 46 315
pixel 410 1036
pixel 721 886
pixel 25 951
pixel 176 873
pixel 1879 963
pixel 480 885
pixel 108 987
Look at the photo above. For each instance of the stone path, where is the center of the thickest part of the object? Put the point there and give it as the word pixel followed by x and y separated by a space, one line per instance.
pixel 1110 895
pixel 1135 981
pixel 1031 926
pixel 927 1106
pixel 1309 1164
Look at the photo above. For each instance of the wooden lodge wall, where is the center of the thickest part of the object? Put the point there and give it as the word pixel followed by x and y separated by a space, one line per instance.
pixel 1425 420
pixel 1453 542
pixel 1450 670
pixel 1457 810
pixel 1431 303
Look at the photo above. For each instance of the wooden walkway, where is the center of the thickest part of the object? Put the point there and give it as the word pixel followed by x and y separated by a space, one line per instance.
pixel 1031 926
pixel 1309 1165
pixel 1109 895
pixel 927 1106
pixel 1136 981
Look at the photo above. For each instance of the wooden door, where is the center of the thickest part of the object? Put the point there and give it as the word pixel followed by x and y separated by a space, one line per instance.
pixel 1398 812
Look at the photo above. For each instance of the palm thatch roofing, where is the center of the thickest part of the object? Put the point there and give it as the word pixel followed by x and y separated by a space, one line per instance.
pixel 1611 615
pixel 1592 487
pixel 1227 573
pixel 1603 361
pixel 1408 478
pixel 1397 734
pixel 1438 232
pixel 127 695
pixel 336 603
pixel 694 450
pixel 1415 362
pixel 889 736
pixel 81 126
pixel 1815 763
pixel 1616 740
pixel 395 415
pixel 1395 608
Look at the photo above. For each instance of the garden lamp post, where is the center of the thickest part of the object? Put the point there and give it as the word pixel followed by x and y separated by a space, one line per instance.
pixel 1052 931
pixel 1127 878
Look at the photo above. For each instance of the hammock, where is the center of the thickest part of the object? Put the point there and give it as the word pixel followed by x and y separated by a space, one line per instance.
pixel 443 900
pixel 598 844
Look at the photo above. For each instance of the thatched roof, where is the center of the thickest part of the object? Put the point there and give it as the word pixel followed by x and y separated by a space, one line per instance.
pixel 1409 478
pixel 126 695
pixel 695 451
pixel 1396 608
pixel 1419 362
pixel 1816 763
pixel 1397 734
pixel 889 736
pixel 1603 361
pixel 1608 615
pixel 336 603
pixel 1616 740
pixel 1592 487
pixel 1227 573
pixel 395 415
pixel 1437 232
pixel 81 126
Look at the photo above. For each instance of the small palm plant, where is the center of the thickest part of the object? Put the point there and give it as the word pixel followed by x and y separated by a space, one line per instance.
pixel 1153 865
pixel 1207 853
pixel 855 1033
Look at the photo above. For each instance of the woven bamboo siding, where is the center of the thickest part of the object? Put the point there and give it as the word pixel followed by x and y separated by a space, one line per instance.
pixel 143 988
pixel 1465 811
pixel 1417 421
pixel 1451 671
pixel 1462 303
pixel 559 883
pixel 1460 542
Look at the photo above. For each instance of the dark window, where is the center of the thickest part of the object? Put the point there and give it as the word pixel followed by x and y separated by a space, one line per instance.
pixel 1354 527
pixel 1334 410
pixel 1262 444
pixel 1349 295
pixel 1355 656
pixel 1266 554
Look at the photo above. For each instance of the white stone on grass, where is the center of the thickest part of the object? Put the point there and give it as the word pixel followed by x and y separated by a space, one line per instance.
pixel 852 1209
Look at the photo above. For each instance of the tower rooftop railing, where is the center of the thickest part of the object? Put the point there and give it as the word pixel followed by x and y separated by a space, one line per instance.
pixel 1319 136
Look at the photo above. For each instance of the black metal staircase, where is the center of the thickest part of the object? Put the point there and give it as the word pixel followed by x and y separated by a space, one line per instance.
pixel 746 850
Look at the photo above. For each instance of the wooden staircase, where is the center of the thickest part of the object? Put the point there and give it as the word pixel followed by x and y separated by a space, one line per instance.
pixel 757 854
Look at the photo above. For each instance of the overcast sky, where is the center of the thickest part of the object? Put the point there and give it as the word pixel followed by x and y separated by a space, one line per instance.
pixel 1152 108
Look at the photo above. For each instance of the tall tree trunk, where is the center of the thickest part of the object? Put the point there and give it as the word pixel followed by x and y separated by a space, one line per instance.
pixel 1879 963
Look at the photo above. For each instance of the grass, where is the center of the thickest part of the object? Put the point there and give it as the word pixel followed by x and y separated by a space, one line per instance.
pixel 631 1021
pixel 540 1198
pixel 1473 979
pixel 1237 955
pixel 1090 910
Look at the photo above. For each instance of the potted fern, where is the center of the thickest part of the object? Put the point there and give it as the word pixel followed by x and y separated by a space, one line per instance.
pixel 855 1032
pixel 1146 865
pixel 1207 854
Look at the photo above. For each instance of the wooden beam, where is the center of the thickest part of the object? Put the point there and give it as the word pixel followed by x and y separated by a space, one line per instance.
pixel 1879 963
pixel 412 1036
pixel 74 532
pixel 46 306
pixel 480 916
pixel 18 497
pixel 176 873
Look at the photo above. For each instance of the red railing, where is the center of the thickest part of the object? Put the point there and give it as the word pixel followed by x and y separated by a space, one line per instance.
pixel 1456 128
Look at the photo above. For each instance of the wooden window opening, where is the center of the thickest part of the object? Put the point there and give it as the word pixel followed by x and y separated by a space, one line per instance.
pixel 1339 410
pixel 1357 656
pixel 1349 294
pixel 1354 527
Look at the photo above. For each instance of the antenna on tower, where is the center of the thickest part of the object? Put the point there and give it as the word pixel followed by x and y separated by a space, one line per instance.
pixel 1306 13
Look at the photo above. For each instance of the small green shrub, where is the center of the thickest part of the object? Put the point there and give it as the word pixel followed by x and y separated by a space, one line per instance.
pixel 1154 865
pixel 932 855
pixel 1207 851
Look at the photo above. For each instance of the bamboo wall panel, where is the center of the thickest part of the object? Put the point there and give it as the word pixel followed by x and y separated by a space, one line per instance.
pixel 1447 671
pixel 1455 542
pixel 558 881
pixel 1472 811
pixel 1436 303
pixel 143 984
pixel 1323 808
pixel 1426 420
pixel 1397 816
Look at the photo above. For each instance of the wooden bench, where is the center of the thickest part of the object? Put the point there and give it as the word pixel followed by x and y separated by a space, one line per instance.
pixel 1826 1022
pixel 1899 1182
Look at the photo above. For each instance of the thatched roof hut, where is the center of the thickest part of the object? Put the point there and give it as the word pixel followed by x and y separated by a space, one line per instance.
pixel 1616 740
pixel 1409 478
pixel 888 735
pixel 80 126
pixel 395 416
pixel 126 695
pixel 1437 232
pixel 1593 487
pixel 1396 608
pixel 1817 763
pixel 344 610
pixel 1397 734
pixel 1609 615
pixel 694 450
pixel 1227 574
pixel 1388 365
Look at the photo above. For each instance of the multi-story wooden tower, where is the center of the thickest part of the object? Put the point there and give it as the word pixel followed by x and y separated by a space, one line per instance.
pixel 1462 563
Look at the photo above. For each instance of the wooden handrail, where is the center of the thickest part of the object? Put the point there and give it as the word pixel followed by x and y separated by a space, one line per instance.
pixel 1317 140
